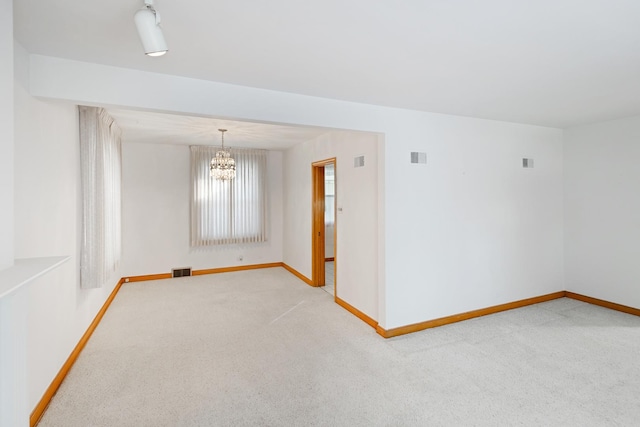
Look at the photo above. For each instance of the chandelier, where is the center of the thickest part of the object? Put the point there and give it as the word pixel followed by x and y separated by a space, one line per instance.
pixel 223 167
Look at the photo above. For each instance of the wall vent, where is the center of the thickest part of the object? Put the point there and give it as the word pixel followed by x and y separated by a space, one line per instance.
pixel 418 157
pixel 358 162
pixel 181 272
pixel 527 163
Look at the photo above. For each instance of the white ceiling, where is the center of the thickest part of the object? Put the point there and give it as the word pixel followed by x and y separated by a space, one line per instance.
pixel 547 62
pixel 160 128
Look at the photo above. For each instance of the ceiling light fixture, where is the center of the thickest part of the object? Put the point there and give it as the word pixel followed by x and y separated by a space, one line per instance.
pixel 148 24
pixel 223 167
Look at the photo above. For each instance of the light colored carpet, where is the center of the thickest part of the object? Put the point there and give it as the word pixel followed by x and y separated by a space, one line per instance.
pixel 262 348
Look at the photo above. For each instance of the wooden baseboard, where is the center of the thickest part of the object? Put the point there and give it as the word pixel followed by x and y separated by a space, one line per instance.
pixel 402 330
pixel 235 268
pixel 296 273
pixel 360 315
pixel 202 272
pixel 603 303
pixel 55 384
pixel 147 277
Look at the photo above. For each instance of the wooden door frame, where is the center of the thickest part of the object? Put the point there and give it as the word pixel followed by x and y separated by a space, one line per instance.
pixel 318 225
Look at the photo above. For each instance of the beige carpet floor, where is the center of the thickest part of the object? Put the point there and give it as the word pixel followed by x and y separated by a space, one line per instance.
pixel 260 348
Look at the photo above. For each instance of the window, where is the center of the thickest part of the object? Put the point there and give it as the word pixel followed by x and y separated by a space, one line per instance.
pixel 329 193
pixel 101 164
pixel 228 212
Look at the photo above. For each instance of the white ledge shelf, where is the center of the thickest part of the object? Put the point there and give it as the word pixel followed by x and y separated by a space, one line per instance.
pixel 25 270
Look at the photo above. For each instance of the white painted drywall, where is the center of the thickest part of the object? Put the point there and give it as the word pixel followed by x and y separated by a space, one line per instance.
pixel 356 219
pixel 602 210
pixel 470 230
pixel 155 214
pixel 6 134
pixel 47 223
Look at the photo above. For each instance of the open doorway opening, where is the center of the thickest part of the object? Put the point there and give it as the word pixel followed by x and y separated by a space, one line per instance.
pixel 329 227
pixel 324 225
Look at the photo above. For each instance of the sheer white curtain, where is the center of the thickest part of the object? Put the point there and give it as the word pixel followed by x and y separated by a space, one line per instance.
pixel 101 165
pixel 228 212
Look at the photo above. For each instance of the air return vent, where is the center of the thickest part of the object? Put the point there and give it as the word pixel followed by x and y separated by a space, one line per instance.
pixel 418 157
pixel 358 162
pixel 181 272
pixel 527 163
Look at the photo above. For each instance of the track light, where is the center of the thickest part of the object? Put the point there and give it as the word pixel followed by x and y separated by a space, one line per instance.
pixel 148 23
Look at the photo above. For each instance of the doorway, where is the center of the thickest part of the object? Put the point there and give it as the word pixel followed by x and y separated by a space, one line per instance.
pixel 324 225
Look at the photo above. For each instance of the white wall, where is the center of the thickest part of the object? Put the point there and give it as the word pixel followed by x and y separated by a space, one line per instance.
pixel 470 230
pixel 602 210
pixel 6 134
pixel 155 214
pixel 356 219
pixel 47 223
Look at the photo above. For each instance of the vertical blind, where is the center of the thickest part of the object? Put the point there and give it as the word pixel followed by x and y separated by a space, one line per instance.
pixel 101 165
pixel 228 212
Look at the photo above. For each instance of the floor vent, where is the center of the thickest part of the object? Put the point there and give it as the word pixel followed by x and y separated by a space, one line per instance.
pixel 527 163
pixel 180 272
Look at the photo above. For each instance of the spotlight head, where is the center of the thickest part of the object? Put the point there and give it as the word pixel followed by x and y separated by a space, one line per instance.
pixel 148 23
